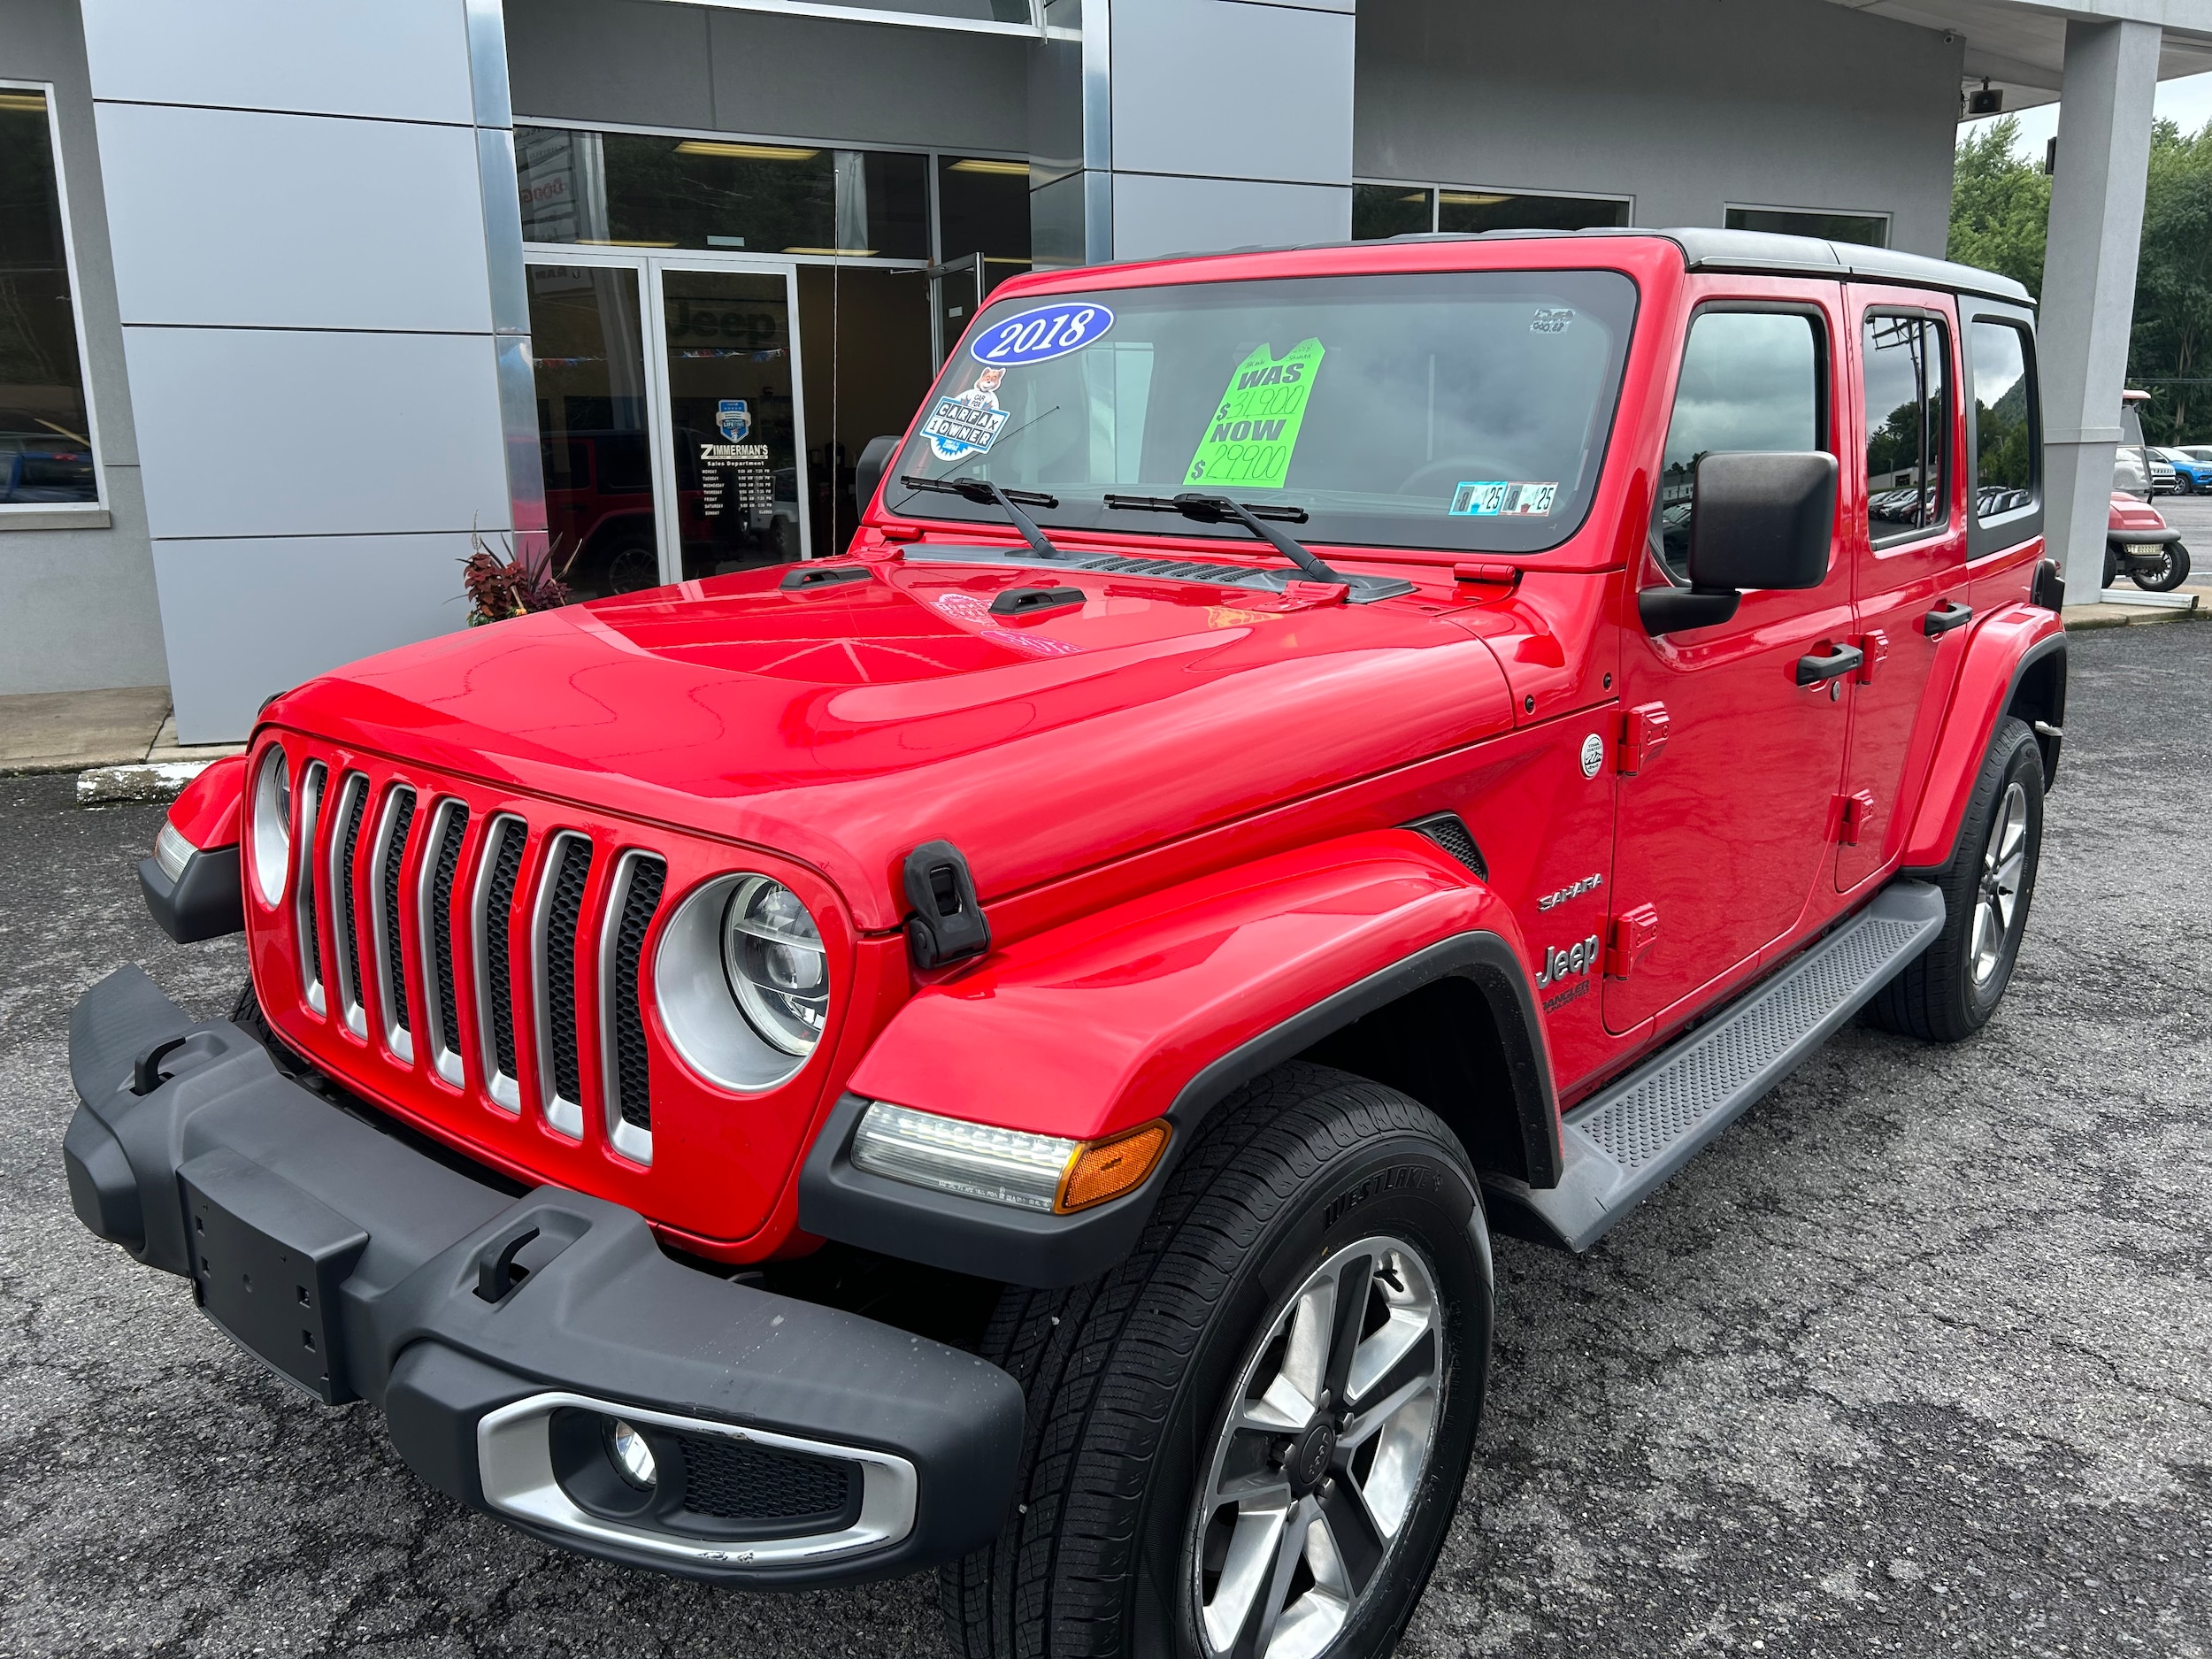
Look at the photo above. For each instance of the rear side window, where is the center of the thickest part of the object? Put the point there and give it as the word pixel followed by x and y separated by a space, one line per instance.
pixel 1903 364
pixel 2006 458
pixel 1750 381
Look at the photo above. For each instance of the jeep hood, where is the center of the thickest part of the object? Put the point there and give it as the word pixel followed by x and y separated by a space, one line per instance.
pixel 845 723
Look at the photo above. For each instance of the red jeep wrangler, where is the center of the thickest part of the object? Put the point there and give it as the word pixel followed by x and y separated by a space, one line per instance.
pixel 1001 1049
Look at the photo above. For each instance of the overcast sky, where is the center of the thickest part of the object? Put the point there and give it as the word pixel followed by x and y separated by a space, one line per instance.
pixel 2188 100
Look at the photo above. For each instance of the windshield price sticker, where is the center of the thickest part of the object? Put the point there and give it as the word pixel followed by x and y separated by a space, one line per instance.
pixel 1254 430
pixel 1512 501
pixel 1042 335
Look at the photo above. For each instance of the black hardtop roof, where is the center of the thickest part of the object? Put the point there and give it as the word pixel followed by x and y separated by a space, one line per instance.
pixel 1757 251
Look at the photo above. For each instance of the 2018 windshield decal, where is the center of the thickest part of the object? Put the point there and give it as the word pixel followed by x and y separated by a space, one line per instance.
pixel 1042 335
pixel 1254 430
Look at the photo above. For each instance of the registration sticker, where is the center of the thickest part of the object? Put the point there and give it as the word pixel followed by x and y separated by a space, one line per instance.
pixel 1500 500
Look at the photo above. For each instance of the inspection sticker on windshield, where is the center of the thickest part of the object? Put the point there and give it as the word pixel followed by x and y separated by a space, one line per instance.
pixel 1490 501
pixel 1254 430
pixel 1551 320
pixel 969 422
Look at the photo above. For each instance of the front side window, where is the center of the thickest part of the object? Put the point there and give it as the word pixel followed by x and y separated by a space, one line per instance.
pixel 2004 450
pixel 1902 365
pixel 1751 381
pixel 45 428
pixel 1461 410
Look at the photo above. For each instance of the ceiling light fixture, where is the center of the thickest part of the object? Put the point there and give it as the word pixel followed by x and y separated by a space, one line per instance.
pixel 744 152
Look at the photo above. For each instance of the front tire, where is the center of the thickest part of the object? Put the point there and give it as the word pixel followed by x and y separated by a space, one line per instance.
pixel 1949 991
pixel 1249 1437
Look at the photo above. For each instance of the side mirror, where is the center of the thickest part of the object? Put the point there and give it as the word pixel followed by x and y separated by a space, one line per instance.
pixel 868 470
pixel 1757 521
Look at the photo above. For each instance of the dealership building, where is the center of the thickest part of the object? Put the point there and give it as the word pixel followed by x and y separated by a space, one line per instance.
pixel 296 300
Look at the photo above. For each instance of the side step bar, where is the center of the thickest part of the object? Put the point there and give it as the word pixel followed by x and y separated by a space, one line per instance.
pixel 1626 1141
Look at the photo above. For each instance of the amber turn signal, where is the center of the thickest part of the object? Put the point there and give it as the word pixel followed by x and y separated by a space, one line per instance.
pixel 1107 1169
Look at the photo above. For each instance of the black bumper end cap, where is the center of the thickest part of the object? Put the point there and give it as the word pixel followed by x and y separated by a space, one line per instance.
pixel 102 1189
pixel 431 1406
pixel 205 902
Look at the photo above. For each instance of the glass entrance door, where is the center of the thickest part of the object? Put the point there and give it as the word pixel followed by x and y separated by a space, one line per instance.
pixel 730 450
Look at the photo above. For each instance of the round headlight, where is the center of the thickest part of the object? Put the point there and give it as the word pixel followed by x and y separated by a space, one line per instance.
pixel 743 981
pixel 272 824
pixel 772 953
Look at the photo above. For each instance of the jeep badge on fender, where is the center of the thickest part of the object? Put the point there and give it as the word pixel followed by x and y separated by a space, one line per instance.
pixel 1125 881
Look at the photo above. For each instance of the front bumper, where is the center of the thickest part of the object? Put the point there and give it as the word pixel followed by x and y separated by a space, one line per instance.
pixel 795 1444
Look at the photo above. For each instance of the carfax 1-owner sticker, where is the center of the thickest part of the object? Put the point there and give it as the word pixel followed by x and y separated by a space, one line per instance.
pixel 1254 430
pixel 967 423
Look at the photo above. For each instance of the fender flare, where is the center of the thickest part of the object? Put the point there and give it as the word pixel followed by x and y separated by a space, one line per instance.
pixel 1999 654
pixel 1288 949
pixel 206 899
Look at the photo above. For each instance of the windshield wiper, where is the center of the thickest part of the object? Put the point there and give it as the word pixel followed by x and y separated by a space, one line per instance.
pixel 1010 501
pixel 1221 509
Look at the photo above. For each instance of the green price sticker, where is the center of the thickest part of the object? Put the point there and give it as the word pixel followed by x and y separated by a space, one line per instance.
pixel 1254 431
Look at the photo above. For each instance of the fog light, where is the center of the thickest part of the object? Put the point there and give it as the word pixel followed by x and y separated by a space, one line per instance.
pixel 632 1457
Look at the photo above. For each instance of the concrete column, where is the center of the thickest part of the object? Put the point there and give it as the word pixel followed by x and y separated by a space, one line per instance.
pixel 1163 127
pixel 2089 281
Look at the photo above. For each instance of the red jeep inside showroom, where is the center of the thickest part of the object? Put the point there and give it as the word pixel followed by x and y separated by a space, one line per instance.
pixel 1001 1049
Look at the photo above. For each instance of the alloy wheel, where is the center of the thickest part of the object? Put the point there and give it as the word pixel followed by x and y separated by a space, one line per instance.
pixel 1323 1453
pixel 1997 902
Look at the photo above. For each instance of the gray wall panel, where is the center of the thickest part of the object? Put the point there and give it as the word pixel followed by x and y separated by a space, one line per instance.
pixel 1229 90
pixel 1787 102
pixel 623 61
pixel 251 432
pixel 78 610
pixel 1156 214
pixel 633 64
pixel 400 59
pixel 381 224
pixel 362 594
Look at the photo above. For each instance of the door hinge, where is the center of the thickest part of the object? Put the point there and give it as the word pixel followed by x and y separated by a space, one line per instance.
pixel 1855 817
pixel 1634 933
pixel 1644 730
pixel 1875 644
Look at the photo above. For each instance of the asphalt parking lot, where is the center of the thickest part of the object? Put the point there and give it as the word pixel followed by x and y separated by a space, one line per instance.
pixel 1917 1359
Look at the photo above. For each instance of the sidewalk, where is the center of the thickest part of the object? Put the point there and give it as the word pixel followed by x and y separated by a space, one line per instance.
pixel 2128 607
pixel 122 743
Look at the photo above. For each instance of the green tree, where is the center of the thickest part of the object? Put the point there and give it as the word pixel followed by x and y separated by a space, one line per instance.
pixel 2170 349
pixel 2000 206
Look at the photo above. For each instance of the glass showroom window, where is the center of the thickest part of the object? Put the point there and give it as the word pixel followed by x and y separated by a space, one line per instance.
pixel 1401 210
pixel 1871 229
pixel 45 429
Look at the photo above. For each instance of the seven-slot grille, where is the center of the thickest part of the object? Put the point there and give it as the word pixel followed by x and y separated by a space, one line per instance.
pixel 433 934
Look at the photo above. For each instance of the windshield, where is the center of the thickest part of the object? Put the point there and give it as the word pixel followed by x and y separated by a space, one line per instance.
pixel 1462 409
pixel 2131 462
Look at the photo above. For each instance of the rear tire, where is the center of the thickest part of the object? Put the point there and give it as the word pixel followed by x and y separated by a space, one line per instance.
pixel 2168 575
pixel 2111 565
pixel 1163 1469
pixel 1949 991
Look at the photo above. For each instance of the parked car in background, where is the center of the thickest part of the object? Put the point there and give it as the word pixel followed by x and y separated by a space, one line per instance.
pixel 45 466
pixel 2194 474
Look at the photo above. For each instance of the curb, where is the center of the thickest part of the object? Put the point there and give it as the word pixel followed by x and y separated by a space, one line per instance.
pixel 157 780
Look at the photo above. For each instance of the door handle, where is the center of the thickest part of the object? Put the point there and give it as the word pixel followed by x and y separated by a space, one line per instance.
pixel 1946 617
pixel 1814 670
